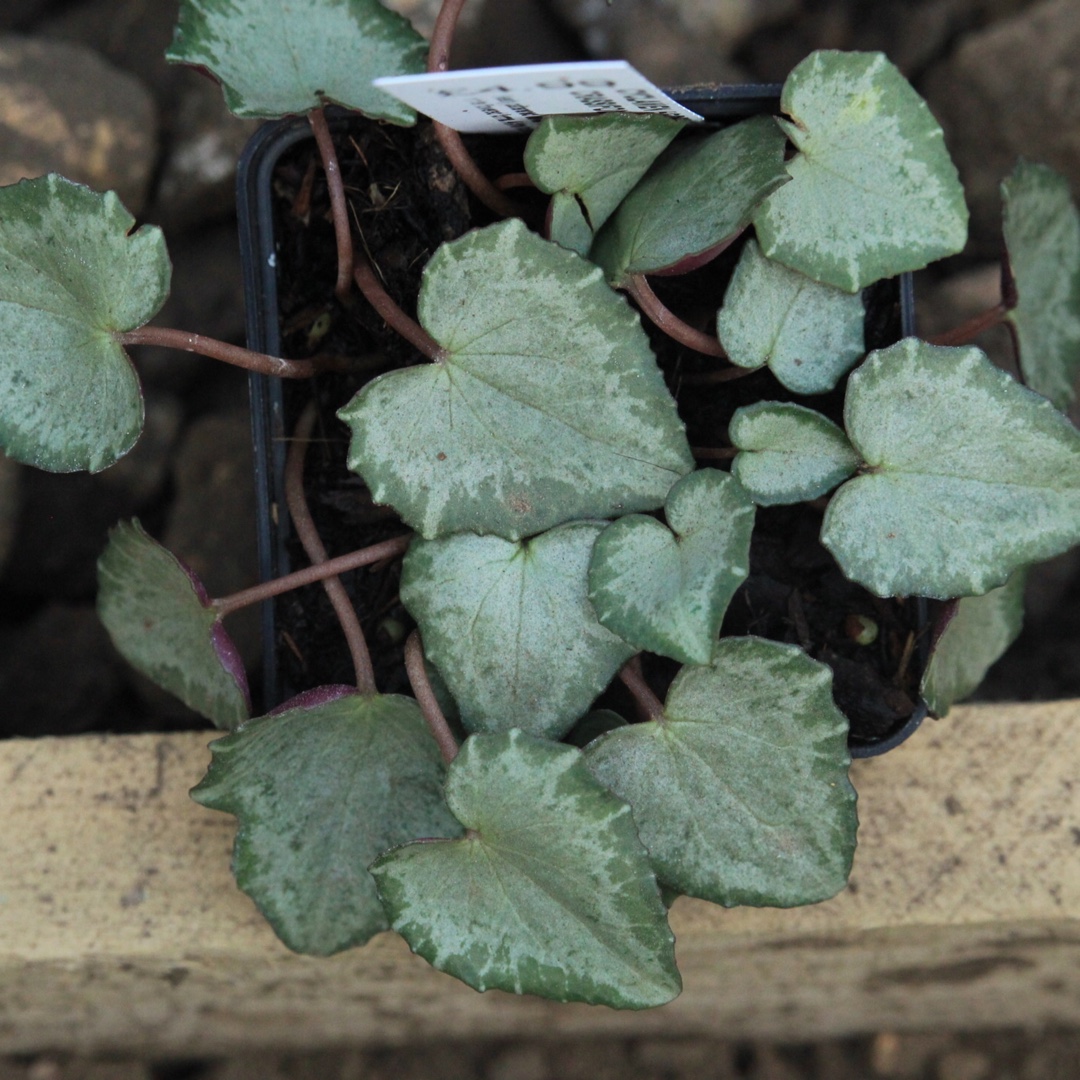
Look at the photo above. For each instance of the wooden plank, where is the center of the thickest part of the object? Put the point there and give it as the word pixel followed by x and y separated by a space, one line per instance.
pixel 121 929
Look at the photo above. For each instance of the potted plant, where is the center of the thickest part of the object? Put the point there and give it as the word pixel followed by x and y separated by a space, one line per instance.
pixel 530 458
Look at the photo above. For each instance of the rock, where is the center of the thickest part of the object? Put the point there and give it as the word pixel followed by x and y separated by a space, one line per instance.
pixel 65 518
pixel 58 673
pixel 17 14
pixel 211 524
pixel 672 42
pixel 64 109
pixel 1012 90
pixel 197 182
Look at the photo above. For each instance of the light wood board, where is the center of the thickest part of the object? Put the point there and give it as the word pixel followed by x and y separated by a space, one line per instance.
pixel 121 928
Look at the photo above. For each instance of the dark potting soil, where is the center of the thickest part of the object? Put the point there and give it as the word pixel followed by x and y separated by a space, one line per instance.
pixel 405 200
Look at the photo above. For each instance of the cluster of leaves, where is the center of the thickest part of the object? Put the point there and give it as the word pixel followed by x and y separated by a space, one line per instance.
pixel 561 525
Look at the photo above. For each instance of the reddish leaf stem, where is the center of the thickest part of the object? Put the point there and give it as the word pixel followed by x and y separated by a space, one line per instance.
pixel 514 180
pixel 972 328
pixel 651 707
pixel 372 288
pixel 669 322
pixel 309 537
pixel 338 207
pixel 386 549
pixel 425 698
pixel 714 453
pixel 220 350
pixel 442 37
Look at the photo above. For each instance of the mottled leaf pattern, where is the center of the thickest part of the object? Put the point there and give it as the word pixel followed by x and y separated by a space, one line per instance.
pixel 667 593
pixel 275 58
pixel 741 793
pixel 873 191
pixel 1042 237
pixel 977 635
pixel 320 790
pixel 968 475
pixel 510 626
pixel 158 616
pixel 808 334
pixel 697 196
pixel 549 406
pixel 551 894
pixel 788 453
pixel 72 273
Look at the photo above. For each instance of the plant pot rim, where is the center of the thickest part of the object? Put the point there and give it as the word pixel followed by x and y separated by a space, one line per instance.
pixel 259 261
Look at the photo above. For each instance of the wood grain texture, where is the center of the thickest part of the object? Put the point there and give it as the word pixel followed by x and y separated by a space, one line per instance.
pixel 121 929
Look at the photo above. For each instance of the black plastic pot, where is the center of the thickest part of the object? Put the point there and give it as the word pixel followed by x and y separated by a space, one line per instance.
pixel 260 252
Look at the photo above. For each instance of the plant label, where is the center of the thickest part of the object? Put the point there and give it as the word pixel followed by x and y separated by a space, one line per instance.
pixel 508 100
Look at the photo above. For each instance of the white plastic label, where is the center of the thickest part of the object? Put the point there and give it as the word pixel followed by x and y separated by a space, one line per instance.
pixel 513 99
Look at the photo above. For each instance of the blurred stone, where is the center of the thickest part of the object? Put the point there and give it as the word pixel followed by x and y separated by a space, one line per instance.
pixel 9 504
pixel 1012 90
pixel 211 524
pixel 64 109
pixel 207 297
pixel 58 673
pixel 17 14
pixel 672 42
pixel 197 182
pixel 963 1064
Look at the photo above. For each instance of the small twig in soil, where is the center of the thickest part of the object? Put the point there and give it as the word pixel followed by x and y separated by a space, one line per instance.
pixel 439 60
pixel 339 209
pixel 309 537
pixel 669 322
pixel 386 549
pixel 229 354
pixel 972 328
pixel 649 705
pixel 425 698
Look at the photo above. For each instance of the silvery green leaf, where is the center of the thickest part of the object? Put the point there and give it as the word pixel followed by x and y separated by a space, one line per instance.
pixel 968 475
pixel 548 406
pixel 667 593
pixel 873 190
pixel 1042 238
pixel 808 334
pixel 159 618
pixel 72 274
pixel 320 790
pixel 697 196
pixel 510 626
pixel 275 58
pixel 977 635
pixel 592 162
pixel 550 894
pixel 788 453
pixel 741 792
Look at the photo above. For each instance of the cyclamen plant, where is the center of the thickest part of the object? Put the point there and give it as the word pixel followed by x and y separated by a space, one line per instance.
pixel 559 527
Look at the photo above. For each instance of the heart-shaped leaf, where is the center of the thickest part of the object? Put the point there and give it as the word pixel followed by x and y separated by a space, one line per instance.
pixel 273 59
pixel 1042 238
pixel 159 618
pixel 510 626
pixel 788 453
pixel 551 893
pixel 668 594
pixel 548 407
pixel 72 274
pixel 873 191
pixel 695 198
pixel 809 334
pixel 968 475
pixel 741 792
pixel 589 164
pixel 321 788
pixel 977 635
